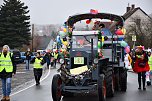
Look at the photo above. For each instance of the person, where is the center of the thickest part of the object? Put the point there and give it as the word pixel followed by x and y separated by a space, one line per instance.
pixel 128 61
pixel 55 55
pixel 7 69
pixel 38 61
pixel 141 65
pixel 28 55
pixel 47 57
pixel 149 73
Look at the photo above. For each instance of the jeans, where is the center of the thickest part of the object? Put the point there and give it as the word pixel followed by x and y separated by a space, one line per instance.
pixel 6 86
pixel 27 64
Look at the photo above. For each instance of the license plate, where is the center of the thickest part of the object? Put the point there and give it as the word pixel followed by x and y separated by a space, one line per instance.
pixel 78 60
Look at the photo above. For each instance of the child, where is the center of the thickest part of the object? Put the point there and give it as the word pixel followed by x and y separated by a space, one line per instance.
pixel 128 61
pixel 38 69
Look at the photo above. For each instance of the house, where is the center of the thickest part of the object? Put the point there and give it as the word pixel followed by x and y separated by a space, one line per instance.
pixel 134 13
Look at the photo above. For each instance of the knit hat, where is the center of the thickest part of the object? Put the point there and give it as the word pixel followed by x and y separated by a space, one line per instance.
pixel 6 46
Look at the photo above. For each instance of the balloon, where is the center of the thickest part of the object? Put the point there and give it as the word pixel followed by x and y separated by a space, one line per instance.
pixel 123 44
pixel 64 30
pixel 119 32
pixel 102 39
pixel 93 11
pixel 127 49
pixel 64 42
pixel 123 30
pixel 100 45
pixel 120 39
pixel 88 21
pixel 62 33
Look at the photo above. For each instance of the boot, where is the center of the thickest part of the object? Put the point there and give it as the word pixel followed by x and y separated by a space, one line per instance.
pixel 7 98
pixel 4 98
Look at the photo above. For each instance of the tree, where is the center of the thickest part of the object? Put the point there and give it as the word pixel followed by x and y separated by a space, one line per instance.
pixel 142 30
pixel 14 24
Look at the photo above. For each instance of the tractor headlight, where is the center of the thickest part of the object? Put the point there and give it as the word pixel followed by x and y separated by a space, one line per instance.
pixel 68 62
pixel 95 61
pixel 61 61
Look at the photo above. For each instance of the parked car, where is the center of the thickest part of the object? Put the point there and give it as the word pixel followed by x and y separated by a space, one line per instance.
pixel 23 57
pixel 17 56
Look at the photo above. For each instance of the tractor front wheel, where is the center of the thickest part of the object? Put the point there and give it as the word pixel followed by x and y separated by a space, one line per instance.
pixel 56 87
pixel 102 88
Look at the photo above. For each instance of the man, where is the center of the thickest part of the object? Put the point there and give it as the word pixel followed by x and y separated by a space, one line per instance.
pixel 28 55
pixel 7 69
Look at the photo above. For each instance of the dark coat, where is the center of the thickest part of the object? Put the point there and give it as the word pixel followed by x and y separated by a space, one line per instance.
pixel 28 55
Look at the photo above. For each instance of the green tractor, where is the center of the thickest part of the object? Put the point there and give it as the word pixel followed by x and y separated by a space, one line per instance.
pixel 84 71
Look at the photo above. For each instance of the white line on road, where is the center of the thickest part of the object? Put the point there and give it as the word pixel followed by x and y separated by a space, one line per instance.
pixel 31 85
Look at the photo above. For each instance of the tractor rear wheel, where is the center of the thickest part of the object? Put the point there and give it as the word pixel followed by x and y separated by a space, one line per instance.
pixel 123 80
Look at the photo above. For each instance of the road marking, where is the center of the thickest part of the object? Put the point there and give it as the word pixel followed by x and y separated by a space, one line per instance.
pixel 31 85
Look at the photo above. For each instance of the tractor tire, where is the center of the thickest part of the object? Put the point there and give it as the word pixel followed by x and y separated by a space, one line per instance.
pixel 109 82
pixel 56 88
pixel 123 80
pixel 101 88
pixel 116 79
pixel 67 94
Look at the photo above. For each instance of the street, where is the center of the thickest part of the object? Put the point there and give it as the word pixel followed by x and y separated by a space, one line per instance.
pixel 43 92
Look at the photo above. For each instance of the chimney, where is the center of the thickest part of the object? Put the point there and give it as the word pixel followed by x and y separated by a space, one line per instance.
pixel 128 9
pixel 132 6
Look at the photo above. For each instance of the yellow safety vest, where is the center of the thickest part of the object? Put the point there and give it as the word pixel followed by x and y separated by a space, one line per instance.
pixel 6 63
pixel 150 62
pixel 55 55
pixel 37 63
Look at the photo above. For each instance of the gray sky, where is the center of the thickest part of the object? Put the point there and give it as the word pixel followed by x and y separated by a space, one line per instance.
pixel 57 11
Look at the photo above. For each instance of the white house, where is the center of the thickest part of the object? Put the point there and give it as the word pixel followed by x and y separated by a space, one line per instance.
pixel 132 13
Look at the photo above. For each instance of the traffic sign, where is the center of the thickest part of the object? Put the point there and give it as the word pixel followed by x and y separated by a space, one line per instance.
pixel 133 37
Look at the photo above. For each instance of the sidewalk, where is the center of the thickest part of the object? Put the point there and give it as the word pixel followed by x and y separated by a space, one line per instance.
pixel 22 78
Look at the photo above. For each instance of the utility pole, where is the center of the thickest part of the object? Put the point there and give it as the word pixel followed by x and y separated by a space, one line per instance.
pixel 32 35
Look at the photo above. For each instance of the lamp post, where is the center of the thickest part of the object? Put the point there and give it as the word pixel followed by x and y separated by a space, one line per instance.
pixel 32 35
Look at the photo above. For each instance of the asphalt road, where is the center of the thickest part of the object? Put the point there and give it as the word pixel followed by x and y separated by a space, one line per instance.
pixel 43 92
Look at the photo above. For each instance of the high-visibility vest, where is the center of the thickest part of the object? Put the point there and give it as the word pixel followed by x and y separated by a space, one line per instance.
pixel 150 62
pixel 6 63
pixel 55 55
pixel 37 63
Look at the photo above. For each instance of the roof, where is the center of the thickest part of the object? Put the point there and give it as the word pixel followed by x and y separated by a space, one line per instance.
pixel 75 18
pixel 130 12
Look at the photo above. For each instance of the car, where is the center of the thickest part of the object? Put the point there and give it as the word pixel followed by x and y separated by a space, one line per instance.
pixel 17 56
pixel 23 57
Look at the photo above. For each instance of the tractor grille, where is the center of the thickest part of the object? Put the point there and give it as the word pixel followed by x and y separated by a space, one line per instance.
pixel 78 65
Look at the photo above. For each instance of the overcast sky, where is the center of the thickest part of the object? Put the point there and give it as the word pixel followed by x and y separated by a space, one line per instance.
pixel 57 11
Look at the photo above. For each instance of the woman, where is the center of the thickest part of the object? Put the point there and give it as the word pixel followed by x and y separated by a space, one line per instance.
pixel 141 65
pixel 7 69
pixel 38 69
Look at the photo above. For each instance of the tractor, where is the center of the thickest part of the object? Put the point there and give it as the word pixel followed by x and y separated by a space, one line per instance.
pixel 84 71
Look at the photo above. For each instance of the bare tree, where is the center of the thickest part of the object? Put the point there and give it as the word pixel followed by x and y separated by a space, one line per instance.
pixel 143 31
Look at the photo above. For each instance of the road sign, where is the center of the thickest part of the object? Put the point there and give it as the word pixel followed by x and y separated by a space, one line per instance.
pixel 133 37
